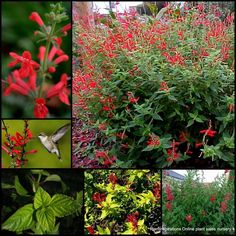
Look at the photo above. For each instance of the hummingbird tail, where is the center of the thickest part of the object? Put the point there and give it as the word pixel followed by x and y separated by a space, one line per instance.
pixel 59 158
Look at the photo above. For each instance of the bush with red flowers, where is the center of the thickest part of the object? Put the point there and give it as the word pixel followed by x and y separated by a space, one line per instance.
pixel 204 209
pixel 156 92
pixel 122 202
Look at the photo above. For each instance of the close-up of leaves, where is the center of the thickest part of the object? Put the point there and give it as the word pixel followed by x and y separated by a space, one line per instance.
pixel 36 59
pixel 42 202
pixel 36 144
pixel 122 202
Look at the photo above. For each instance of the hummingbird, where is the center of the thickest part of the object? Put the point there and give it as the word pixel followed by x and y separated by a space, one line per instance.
pixel 50 142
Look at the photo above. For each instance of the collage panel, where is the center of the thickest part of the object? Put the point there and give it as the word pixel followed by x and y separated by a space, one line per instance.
pixel 42 202
pixel 36 59
pixel 198 202
pixel 36 144
pixel 122 202
pixel 151 93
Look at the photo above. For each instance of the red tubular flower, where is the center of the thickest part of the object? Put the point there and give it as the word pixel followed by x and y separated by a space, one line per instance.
pixel 98 197
pixel 28 66
pixel 168 206
pixel 106 108
pixel 19 86
pixel 227 197
pixel 113 178
pixel 61 59
pixel 133 218
pixel 133 100
pixel 223 207
pixel 170 196
pixel 90 230
pixel 36 17
pixel 164 86
pixel 40 109
pixel 209 132
pixel 198 145
pixel 41 53
pixel 213 198
pixel 156 191
pixel 188 218
pixel 153 140
pixel 66 28
pixel 51 69
pixel 60 89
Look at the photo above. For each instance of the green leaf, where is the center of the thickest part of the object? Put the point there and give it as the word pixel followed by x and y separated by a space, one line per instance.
pixel 199 120
pixel 7 186
pixel 21 220
pixel 46 219
pixel 105 231
pixel 63 205
pixel 79 200
pixel 19 188
pixel 55 178
pixel 104 214
pixel 148 148
pixel 41 198
pixel 190 122
pixel 157 117
pixel 42 172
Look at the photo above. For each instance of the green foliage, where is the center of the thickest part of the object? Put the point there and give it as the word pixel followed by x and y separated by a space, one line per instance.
pixel 40 217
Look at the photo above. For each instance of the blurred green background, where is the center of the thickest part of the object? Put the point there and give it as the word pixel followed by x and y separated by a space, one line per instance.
pixel 18 36
pixel 41 159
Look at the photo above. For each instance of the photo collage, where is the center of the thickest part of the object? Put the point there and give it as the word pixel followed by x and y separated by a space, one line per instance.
pixel 117 118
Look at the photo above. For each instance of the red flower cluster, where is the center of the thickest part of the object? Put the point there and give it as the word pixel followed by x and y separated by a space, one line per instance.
pixel 90 230
pixel 113 178
pixel 131 97
pixel 156 191
pixel 153 140
pixel 23 80
pixel 99 197
pixel 175 59
pixel 170 198
pixel 173 152
pixel 164 86
pixel 16 144
pixel 40 109
pixel 224 204
pixel 188 218
pixel 213 198
pixel 107 161
pixel 133 218
pixel 209 132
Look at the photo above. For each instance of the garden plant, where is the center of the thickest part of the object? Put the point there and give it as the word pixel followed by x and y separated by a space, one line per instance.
pixel 151 91
pixel 32 79
pixel 40 202
pixel 193 207
pixel 122 202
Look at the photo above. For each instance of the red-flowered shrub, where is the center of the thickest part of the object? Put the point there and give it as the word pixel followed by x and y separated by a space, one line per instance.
pixel 163 90
pixel 194 205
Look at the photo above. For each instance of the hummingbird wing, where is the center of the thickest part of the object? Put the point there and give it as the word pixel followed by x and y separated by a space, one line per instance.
pixel 58 134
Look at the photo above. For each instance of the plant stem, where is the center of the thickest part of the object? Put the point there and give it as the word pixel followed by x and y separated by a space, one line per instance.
pixel 44 66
